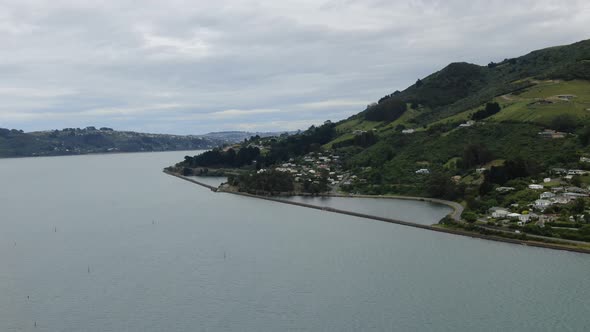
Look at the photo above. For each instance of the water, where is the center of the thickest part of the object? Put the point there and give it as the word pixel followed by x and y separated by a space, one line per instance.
pixel 424 213
pixel 110 243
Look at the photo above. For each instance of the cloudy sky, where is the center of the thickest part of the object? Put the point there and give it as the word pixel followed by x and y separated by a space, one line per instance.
pixel 195 66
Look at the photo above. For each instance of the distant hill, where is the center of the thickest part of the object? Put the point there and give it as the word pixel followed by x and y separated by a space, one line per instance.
pixel 238 136
pixel 72 141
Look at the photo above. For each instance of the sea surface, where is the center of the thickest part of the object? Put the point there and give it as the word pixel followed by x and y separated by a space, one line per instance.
pixel 110 243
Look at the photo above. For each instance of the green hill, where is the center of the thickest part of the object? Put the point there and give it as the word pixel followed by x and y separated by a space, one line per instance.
pixel 462 87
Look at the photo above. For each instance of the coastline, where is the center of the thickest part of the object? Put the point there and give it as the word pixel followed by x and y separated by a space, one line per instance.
pixel 457 210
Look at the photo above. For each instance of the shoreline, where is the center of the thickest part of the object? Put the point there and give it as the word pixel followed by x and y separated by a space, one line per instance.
pixel 455 214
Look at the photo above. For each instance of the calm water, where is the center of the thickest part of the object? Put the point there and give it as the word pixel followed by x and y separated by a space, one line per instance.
pixel 419 212
pixel 110 243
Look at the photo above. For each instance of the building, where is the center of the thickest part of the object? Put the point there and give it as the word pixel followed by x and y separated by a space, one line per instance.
pixel 547 195
pixel 584 160
pixel 566 97
pixel 561 199
pixel 423 171
pixel 480 170
pixel 535 186
pixel 542 204
pixel 505 189
pixel 513 215
pixel 408 131
pixel 467 124
pixel 547 180
pixel 549 133
pixel 500 214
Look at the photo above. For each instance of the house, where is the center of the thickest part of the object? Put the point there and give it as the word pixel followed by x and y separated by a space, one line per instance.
pixel 423 171
pixel 574 195
pixel 566 97
pixel 500 214
pixel 549 133
pixel 535 186
pixel 467 124
pixel 557 189
pixel 408 131
pixel 576 172
pixel 480 170
pixel 578 190
pixel 358 132
pixel 504 189
pixel 547 180
pixel 542 204
pixel 456 178
pixel 547 195
pixel 584 160
pixel 561 199
pixel 559 171
pixel 524 218
pixel 513 215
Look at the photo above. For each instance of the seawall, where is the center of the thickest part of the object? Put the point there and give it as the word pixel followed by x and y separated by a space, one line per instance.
pixel 395 221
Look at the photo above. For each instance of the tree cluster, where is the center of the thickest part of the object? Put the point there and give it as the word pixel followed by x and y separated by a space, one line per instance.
pixel 489 110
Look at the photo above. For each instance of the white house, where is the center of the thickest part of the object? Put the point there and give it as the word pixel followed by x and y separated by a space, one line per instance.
pixel 480 170
pixel 584 159
pixel 423 171
pixel 467 124
pixel 542 203
pixel 513 215
pixel 504 189
pixel 546 180
pixel 535 186
pixel 500 214
pixel 408 131
pixel 547 195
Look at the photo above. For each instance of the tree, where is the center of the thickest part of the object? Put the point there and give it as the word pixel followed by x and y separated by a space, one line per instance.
pixel 469 216
pixel 564 122
pixel 419 83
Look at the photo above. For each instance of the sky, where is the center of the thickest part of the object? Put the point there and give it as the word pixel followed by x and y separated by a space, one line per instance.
pixel 192 67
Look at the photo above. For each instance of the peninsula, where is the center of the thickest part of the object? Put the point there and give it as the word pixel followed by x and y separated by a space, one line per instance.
pixel 509 142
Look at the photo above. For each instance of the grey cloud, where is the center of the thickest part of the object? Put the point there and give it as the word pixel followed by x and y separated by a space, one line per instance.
pixel 306 60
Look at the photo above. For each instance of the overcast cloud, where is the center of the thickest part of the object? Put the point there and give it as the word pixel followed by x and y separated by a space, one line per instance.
pixel 196 66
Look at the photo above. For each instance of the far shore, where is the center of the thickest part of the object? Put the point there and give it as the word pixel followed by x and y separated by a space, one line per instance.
pixel 456 215
pixel 97 154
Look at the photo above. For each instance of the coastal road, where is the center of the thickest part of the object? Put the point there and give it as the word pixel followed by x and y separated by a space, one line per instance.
pixel 539 237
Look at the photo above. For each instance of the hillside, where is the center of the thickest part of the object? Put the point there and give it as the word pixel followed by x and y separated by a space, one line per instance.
pixel 461 87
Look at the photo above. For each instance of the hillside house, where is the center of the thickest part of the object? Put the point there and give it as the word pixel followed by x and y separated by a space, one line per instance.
pixel 535 186
pixel 423 171
pixel 542 204
pixel 467 124
pixel 549 133
pixel 505 189
pixel 408 131
pixel 547 195
pixel 566 97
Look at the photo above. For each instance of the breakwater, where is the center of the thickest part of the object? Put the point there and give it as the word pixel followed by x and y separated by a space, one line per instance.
pixel 457 209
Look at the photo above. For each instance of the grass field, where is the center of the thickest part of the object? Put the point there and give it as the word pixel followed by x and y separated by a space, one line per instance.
pixel 522 108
